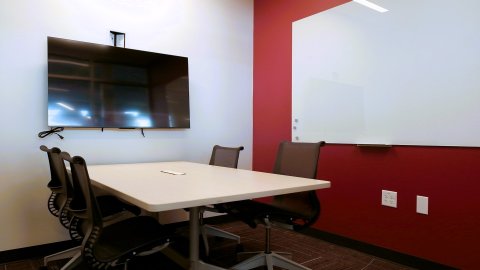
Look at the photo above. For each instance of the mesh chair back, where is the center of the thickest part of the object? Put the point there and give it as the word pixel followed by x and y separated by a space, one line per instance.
pixel 225 156
pixel 301 160
pixel 297 159
pixel 58 173
pixel 85 201
pixel 60 185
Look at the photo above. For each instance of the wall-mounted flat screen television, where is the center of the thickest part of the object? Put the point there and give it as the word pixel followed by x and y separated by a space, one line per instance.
pixel 92 85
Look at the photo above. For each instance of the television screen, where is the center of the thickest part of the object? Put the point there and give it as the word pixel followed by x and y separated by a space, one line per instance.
pixel 92 85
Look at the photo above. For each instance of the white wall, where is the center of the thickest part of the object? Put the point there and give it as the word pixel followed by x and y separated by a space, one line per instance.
pixel 216 35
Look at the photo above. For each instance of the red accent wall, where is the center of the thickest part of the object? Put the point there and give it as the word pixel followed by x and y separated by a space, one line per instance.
pixel 449 176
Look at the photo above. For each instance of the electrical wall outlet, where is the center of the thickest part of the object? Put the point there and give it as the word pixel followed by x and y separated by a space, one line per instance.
pixel 422 205
pixel 389 198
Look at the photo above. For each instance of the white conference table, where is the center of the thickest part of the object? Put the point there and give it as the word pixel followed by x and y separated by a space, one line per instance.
pixel 145 185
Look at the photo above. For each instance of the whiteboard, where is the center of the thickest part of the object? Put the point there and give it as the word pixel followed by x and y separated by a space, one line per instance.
pixel 410 76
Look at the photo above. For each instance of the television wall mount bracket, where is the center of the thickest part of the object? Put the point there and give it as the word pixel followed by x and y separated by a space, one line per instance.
pixel 118 38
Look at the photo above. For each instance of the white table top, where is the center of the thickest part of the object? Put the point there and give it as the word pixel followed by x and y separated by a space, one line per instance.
pixel 144 185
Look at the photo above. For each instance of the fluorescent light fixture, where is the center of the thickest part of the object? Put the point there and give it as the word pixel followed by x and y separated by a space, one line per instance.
pixel 58 89
pixel 68 62
pixel 371 5
pixel 143 122
pixel 65 106
pixel 132 113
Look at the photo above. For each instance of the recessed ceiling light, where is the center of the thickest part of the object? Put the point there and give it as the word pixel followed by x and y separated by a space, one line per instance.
pixel 371 5
pixel 65 106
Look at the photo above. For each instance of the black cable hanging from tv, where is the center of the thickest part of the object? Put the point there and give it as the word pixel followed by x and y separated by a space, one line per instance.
pixel 53 130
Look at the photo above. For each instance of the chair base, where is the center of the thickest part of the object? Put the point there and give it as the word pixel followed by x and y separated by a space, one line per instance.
pixel 74 262
pixel 206 230
pixel 209 230
pixel 74 253
pixel 268 259
pixel 64 254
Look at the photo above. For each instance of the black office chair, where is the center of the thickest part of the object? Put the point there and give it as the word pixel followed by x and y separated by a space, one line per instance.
pixel 224 157
pixel 58 196
pixel 57 205
pixel 61 199
pixel 294 211
pixel 105 247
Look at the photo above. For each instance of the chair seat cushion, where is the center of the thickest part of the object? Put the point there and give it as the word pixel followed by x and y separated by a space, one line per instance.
pixel 54 186
pixel 253 212
pixel 134 234
pixel 110 205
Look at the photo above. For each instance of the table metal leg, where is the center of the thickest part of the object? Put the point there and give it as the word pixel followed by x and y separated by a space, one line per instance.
pixel 194 242
pixel 195 262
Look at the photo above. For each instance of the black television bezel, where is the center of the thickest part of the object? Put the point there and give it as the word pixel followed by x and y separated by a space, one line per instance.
pixel 71 47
